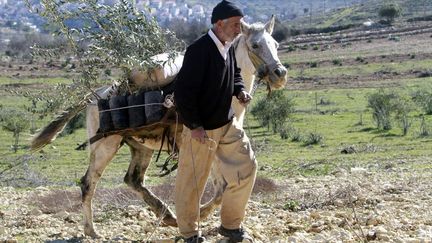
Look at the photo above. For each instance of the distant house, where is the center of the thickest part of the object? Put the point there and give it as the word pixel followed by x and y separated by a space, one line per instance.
pixel 198 10
pixel 157 4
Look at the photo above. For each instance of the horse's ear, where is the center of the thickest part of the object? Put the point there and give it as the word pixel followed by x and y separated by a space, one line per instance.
pixel 245 27
pixel 270 25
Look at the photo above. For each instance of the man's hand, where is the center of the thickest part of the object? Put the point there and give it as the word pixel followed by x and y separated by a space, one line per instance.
pixel 244 98
pixel 199 134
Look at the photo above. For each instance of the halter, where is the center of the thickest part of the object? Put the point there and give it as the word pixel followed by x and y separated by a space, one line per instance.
pixel 262 69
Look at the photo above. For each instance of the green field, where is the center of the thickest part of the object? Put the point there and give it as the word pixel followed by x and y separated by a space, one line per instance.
pixel 330 101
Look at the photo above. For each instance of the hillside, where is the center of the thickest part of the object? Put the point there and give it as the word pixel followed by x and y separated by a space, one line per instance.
pixel 358 12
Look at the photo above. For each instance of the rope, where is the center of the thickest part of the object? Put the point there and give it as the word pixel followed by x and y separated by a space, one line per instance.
pixel 196 180
pixel 159 221
pixel 196 189
pixel 168 103
pixel 131 106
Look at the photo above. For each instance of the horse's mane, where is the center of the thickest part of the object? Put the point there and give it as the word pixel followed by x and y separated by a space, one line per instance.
pixel 256 27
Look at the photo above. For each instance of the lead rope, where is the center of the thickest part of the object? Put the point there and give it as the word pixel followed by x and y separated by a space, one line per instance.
pixel 168 103
pixel 196 189
pixel 196 182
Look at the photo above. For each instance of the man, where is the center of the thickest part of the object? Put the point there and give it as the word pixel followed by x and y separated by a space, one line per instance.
pixel 204 88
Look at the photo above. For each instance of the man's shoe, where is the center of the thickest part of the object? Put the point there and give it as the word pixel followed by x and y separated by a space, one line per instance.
pixel 235 235
pixel 195 239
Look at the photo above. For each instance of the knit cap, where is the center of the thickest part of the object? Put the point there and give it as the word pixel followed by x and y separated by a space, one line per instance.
pixel 224 10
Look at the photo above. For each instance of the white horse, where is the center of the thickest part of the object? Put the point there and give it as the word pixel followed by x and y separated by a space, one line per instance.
pixel 256 53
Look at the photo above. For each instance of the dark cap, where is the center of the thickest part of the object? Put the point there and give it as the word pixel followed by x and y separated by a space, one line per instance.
pixel 224 10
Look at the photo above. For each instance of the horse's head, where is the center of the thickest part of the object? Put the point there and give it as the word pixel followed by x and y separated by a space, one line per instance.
pixel 262 51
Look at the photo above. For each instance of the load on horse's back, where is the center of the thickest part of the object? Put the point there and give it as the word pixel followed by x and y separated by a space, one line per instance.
pixel 256 55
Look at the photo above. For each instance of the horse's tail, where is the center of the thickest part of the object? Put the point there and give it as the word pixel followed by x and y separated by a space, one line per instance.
pixel 49 133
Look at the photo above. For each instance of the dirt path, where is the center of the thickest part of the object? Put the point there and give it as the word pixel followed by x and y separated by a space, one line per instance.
pixel 347 206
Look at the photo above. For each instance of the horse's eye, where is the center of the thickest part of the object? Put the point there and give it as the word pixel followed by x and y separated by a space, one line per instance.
pixel 255 46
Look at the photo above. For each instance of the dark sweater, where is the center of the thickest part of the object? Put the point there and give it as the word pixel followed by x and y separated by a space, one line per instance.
pixel 205 85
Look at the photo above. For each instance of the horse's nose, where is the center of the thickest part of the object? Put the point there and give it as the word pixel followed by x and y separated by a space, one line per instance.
pixel 280 72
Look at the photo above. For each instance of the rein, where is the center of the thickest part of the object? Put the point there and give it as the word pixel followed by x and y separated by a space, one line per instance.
pixel 262 69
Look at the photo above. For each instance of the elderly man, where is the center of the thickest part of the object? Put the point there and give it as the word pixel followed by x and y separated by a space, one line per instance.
pixel 204 88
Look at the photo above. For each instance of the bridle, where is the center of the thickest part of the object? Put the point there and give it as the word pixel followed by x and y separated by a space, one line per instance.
pixel 262 68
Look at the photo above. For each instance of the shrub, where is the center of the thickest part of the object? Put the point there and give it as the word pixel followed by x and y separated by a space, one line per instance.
pixel 386 104
pixel 291 205
pixel 359 59
pixel 403 106
pixel 424 99
pixel 295 135
pixel 284 132
pixel 274 110
pixel 286 65
pixel 337 62
pixel 313 64
pixel 313 138
pixel 424 130
pixel 382 106
pixel 324 101
pixel 291 48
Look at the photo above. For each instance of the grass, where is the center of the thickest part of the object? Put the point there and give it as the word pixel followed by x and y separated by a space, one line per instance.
pixel 59 164
pixel 367 69
pixel 335 18
pixel 339 129
pixel 337 120
pixel 24 81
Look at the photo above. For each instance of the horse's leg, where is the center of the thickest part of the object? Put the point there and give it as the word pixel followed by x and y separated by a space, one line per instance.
pixel 134 178
pixel 101 154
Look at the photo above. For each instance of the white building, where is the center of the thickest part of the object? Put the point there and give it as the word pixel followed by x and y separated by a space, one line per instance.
pixel 157 4
pixel 198 9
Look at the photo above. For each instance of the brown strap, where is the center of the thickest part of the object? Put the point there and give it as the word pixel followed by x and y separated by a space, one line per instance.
pixel 97 137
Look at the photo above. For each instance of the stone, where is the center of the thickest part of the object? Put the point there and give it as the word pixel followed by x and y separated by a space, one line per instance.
pixel 3 230
pixel 35 212
pixel 374 221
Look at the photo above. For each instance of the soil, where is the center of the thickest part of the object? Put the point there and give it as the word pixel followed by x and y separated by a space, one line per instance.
pixel 346 206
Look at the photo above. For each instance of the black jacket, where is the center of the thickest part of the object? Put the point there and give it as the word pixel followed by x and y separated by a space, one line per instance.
pixel 205 85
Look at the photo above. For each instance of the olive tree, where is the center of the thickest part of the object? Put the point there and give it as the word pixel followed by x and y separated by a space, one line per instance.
pixel 101 37
pixel 273 111
pixel 389 12
pixel 15 121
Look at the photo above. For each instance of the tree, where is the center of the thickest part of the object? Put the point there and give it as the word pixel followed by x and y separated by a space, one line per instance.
pixel 103 36
pixel 273 111
pixel 15 121
pixel 389 12
pixel 281 32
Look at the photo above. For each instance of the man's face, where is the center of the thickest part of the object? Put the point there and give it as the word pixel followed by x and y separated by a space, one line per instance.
pixel 230 28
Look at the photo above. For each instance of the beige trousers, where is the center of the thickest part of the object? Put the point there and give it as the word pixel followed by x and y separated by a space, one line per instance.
pixel 237 165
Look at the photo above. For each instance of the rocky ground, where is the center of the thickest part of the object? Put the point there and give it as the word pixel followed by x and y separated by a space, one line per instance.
pixel 348 206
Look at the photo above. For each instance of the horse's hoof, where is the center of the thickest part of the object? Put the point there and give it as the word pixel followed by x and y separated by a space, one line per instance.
pixel 91 233
pixel 170 220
